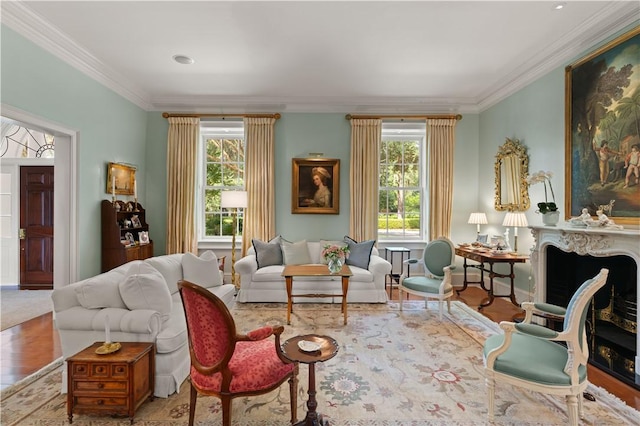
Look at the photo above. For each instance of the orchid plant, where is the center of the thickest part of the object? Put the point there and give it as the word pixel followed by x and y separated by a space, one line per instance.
pixel 335 252
pixel 544 178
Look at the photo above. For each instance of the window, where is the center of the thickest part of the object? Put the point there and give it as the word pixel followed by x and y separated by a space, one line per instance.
pixel 222 153
pixel 402 191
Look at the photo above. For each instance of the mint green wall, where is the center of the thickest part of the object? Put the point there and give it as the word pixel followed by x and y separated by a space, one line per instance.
pixel 110 127
pixel 156 178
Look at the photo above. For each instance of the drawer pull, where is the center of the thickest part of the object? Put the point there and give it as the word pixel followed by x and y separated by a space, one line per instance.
pixel 120 369
pixel 100 369
pixel 100 385
pixel 101 402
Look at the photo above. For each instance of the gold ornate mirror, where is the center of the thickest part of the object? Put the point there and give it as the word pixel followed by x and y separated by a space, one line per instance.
pixel 512 167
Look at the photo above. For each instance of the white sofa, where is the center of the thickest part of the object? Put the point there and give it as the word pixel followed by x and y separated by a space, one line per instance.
pixel 266 284
pixel 141 302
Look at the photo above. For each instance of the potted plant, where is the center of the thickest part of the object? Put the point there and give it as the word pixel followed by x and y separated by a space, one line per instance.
pixel 548 209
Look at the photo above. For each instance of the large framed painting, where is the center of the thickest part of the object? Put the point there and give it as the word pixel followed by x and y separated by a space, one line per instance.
pixel 602 131
pixel 121 179
pixel 315 186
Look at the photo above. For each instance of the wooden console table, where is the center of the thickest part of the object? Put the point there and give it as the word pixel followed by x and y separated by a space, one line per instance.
pixel 486 257
pixel 291 271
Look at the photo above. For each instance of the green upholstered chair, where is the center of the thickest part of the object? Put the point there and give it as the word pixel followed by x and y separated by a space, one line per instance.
pixel 437 260
pixel 531 356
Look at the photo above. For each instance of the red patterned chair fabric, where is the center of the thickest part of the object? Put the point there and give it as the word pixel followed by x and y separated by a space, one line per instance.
pixel 226 364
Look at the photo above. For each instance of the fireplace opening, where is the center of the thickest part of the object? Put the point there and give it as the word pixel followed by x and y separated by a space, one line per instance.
pixel 612 323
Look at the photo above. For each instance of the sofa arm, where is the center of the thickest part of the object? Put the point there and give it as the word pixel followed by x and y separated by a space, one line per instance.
pixel 65 298
pixel 247 265
pixel 379 266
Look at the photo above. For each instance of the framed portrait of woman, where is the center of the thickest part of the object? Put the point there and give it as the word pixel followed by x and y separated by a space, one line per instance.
pixel 315 186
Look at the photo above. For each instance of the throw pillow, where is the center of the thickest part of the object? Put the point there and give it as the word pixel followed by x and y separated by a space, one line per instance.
pixel 267 254
pixel 202 270
pixel 100 291
pixel 145 288
pixel 323 243
pixel 295 253
pixel 359 253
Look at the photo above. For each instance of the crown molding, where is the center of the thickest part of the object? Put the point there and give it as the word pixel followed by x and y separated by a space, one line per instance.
pixel 612 19
pixel 20 18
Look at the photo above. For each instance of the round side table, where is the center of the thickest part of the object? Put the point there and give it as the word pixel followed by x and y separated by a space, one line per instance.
pixel 328 349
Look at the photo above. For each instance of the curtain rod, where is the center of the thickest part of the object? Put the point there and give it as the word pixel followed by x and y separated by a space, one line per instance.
pixel 223 116
pixel 403 117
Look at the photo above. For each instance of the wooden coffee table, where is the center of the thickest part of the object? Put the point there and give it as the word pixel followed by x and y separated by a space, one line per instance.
pixel 291 271
pixel 113 384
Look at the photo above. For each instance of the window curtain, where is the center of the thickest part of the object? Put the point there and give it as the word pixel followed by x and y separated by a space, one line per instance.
pixel 259 218
pixel 182 148
pixel 366 136
pixel 441 138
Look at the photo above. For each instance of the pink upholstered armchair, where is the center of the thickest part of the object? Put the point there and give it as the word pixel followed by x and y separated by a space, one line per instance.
pixel 226 364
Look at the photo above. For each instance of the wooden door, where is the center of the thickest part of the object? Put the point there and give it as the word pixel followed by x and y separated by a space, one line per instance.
pixel 36 227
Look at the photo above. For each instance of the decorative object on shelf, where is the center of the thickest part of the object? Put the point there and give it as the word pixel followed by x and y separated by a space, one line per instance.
pixel 129 237
pixel 515 219
pixel 233 200
pixel 126 223
pixel 143 237
pixel 116 206
pixel 477 219
pixel 335 256
pixel 581 221
pixel 135 221
pixel 544 178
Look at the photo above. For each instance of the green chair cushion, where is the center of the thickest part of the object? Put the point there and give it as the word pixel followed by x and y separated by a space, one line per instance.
pixel 533 359
pixel 424 284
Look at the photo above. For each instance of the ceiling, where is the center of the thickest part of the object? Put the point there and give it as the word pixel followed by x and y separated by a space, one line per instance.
pixel 326 56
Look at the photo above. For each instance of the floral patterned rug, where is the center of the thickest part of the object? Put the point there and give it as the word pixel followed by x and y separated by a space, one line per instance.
pixel 393 368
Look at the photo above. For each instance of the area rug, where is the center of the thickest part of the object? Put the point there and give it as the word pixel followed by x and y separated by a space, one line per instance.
pixel 18 306
pixel 393 368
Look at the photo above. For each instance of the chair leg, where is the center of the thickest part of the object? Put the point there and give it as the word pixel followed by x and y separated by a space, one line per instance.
pixel 226 410
pixel 580 409
pixel 400 296
pixel 491 393
pixel 293 395
pixel 449 305
pixel 440 306
pixel 192 404
pixel 572 409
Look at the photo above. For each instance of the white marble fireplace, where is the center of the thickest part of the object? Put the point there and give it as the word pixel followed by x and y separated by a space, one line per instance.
pixel 594 242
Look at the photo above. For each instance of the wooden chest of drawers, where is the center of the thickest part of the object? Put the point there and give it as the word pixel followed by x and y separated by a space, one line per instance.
pixel 114 384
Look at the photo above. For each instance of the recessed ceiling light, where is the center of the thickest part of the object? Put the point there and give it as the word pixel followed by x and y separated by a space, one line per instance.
pixel 559 6
pixel 184 60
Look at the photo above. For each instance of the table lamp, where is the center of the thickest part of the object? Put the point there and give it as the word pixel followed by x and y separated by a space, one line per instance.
pixel 478 219
pixel 233 200
pixel 515 219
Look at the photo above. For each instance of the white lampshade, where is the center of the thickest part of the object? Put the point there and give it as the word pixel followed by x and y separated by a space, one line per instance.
pixel 517 219
pixel 233 199
pixel 478 219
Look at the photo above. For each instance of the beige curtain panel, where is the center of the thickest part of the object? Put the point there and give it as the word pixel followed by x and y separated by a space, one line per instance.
pixel 182 148
pixel 441 135
pixel 259 219
pixel 366 136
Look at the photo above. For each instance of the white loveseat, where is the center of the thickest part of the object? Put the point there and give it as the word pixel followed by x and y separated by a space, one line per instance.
pixel 266 284
pixel 141 302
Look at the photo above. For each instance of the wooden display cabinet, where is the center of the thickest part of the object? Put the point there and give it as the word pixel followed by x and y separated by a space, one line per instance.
pixel 118 223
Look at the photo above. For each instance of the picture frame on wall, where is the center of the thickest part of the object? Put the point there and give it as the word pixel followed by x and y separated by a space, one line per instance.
pixel 120 179
pixel 602 132
pixel 315 186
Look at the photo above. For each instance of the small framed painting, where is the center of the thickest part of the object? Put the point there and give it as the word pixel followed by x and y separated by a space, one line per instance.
pixel 143 237
pixel 315 187
pixel 120 179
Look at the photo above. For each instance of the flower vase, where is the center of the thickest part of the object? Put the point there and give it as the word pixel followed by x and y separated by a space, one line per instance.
pixel 335 266
pixel 551 218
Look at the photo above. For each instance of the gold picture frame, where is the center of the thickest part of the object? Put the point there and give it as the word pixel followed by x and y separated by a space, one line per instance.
pixel 599 89
pixel 315 186
pixel 120 179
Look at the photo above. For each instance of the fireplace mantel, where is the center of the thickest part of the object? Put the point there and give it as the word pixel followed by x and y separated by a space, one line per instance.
pixel 597 242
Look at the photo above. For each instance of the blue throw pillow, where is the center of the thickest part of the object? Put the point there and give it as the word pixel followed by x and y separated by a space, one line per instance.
pixel 268 254
pixel 359 253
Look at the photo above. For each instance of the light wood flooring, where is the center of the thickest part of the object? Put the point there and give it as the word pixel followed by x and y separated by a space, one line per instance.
pixel 27 347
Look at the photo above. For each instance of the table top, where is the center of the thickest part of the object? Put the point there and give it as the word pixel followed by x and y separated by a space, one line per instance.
pixel 488 255
pixel 328 349
pixel 314 271
pixel 396 249
pixel 129 352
